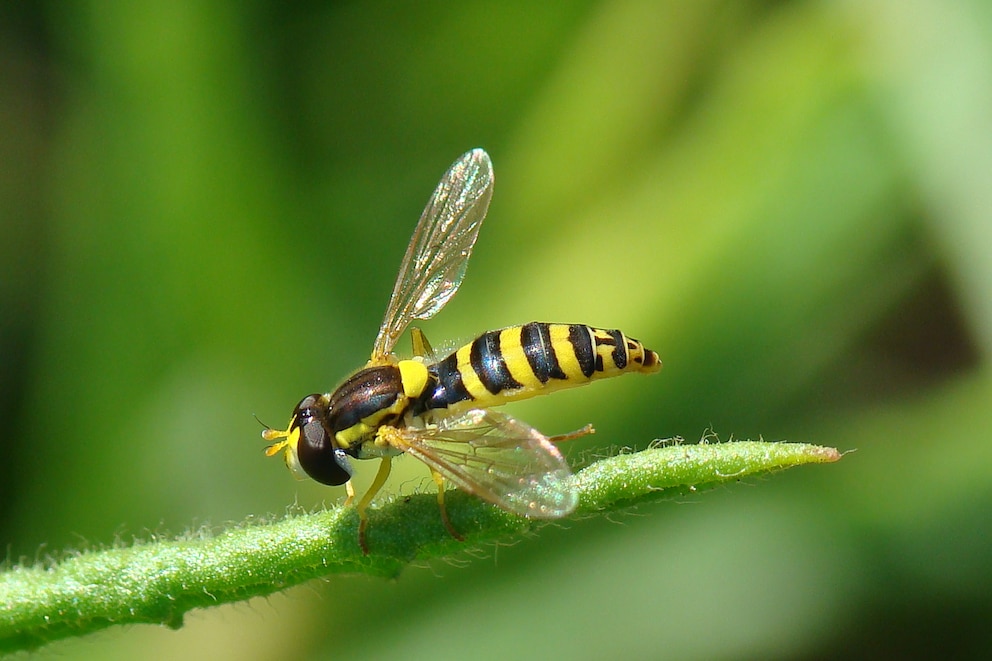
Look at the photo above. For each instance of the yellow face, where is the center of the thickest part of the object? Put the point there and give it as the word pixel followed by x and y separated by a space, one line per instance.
pixel 286 441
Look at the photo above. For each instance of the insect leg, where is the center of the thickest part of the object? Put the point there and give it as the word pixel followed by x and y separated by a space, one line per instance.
pixel 439 481
pixel 380 479
pixel 578 433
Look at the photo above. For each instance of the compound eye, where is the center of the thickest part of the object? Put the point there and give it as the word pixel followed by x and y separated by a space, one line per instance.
pixel 306 409
pixel 317 454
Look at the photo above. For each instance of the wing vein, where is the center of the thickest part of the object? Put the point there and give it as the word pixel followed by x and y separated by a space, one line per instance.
pixel 435 261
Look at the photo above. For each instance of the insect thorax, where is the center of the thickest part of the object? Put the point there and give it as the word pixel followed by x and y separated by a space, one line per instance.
pixel 369 398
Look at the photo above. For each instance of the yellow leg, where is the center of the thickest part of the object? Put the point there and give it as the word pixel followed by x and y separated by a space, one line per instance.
pixel 588 429
pixel 349 488
pixel 380 479
pixel 439 481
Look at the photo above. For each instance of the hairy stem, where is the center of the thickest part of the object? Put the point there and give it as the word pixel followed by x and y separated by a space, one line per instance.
pixel 159 580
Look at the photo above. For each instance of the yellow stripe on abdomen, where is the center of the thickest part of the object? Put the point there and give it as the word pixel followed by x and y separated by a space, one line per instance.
pixel 515 356
pixel 523 361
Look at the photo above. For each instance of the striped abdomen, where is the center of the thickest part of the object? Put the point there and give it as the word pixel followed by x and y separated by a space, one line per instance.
pixel 522 361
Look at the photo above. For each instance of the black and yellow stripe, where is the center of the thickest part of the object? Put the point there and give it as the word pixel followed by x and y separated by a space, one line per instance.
pixel 518 362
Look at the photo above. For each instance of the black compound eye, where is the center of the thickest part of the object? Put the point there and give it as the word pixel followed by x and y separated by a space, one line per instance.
pixel 306 410
pixel 317 453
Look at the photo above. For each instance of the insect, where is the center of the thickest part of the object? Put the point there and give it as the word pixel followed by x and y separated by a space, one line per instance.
pixel 438 410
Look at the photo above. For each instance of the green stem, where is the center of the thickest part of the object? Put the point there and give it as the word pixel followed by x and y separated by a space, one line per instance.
pixel 160 580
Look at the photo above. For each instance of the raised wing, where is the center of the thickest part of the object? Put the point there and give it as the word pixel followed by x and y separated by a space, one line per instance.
pixel 437 256
pixel 497 458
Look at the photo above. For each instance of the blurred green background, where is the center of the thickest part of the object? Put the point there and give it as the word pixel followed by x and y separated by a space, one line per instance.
pixel 203 207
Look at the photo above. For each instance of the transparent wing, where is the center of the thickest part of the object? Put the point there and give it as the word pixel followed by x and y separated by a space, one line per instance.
pixel 497 458
pixel 437 257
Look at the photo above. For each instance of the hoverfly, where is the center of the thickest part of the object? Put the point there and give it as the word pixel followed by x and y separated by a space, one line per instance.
pixel 438 409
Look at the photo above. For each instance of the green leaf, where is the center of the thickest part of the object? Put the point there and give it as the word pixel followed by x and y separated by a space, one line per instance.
pixel 158 581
